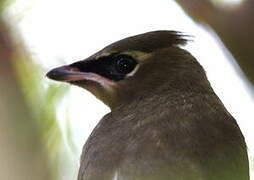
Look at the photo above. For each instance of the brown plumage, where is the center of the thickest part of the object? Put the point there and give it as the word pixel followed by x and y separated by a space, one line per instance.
pixel 166 121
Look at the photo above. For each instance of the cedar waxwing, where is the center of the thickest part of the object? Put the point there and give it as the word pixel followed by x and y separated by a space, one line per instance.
pixel 166 122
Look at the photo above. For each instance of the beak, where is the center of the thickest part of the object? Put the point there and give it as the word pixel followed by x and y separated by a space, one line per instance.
pixel 67 74
pixel 71 74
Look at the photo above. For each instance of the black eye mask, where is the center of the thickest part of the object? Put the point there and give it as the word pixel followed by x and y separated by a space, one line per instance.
pixel 114 67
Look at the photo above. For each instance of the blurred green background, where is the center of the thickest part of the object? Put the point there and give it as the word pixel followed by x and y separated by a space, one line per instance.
pixel 33 145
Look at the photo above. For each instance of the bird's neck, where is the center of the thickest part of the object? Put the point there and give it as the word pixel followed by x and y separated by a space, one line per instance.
pixel 167 99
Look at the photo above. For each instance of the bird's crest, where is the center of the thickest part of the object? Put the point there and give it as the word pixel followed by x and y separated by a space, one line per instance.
pixel 151 41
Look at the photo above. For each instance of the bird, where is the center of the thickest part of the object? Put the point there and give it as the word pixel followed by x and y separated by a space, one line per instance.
pixel 165 123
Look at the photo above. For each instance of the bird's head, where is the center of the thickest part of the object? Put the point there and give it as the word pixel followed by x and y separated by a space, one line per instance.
pixel 134 68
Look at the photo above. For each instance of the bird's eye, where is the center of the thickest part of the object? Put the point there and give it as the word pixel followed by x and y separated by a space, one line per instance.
pixel 125 64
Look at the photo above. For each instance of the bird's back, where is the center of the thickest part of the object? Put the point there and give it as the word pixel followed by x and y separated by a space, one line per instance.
pixel 179 143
